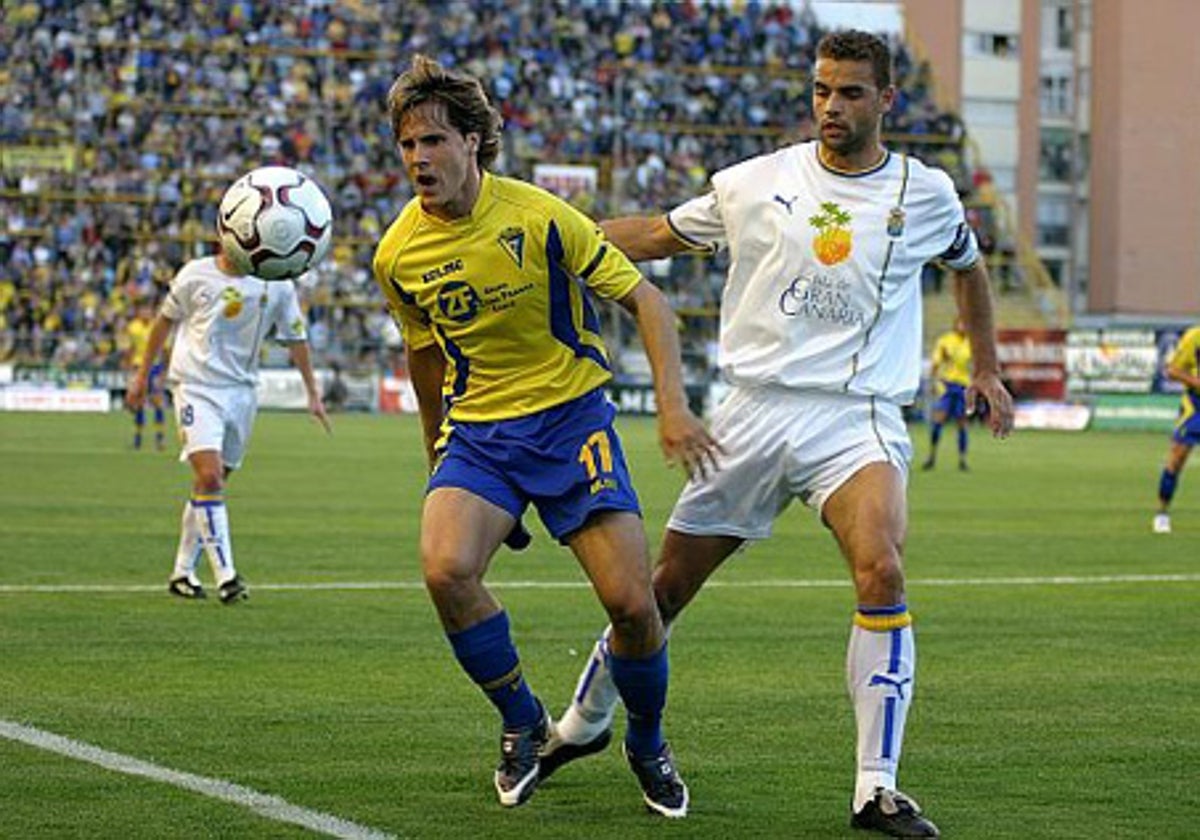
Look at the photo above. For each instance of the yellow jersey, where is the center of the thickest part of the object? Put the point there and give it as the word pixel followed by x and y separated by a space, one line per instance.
pixel 504 294
pixel 137 334
pixel 952 359
pixel 1187 359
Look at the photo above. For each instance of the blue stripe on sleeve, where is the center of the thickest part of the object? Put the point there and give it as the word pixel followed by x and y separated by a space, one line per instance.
pixel 562 325
pixel 462 366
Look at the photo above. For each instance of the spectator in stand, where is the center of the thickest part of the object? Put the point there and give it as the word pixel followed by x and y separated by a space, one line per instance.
pixel 559 73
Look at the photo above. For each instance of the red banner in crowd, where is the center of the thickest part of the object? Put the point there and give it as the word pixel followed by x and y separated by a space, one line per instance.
pixel 1033 362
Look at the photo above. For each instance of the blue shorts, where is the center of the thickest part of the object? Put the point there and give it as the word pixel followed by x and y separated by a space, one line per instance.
pixel 1187 429
pixel 567 461
pixel 953 401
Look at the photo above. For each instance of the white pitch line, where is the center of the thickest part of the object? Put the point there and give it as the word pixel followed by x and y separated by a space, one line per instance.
pixel 1050 580
pixel 271 807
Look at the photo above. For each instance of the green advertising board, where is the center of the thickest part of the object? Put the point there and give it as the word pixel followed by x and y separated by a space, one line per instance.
pixel 1140 412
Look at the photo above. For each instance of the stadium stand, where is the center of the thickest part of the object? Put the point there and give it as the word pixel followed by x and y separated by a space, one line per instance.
pixel 122 122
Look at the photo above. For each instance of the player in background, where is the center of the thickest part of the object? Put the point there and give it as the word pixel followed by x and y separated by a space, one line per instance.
pixel 489 279
pixel 820 340
pixel 951 371
pixel 137 335
pixel 1184 368
pixel 220 319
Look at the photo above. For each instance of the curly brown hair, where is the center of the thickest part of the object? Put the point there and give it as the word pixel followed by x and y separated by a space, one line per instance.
pixel 466 103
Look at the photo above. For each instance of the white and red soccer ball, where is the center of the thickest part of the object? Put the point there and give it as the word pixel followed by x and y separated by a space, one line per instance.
pixel 275 223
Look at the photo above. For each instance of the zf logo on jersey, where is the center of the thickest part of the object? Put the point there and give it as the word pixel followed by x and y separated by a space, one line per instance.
pixel 512 240
pixel 458 301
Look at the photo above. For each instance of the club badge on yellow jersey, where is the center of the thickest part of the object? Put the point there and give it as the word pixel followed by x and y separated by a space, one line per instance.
pixel 512 240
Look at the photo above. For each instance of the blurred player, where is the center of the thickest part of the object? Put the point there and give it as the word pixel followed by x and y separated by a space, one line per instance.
pixel 820 339
pixel 223 318
pixel 489 279
pixel 137 335
pixel 951 370
pixel 1184 368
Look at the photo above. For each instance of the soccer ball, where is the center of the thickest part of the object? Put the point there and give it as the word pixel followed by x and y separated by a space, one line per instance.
pixel 275 223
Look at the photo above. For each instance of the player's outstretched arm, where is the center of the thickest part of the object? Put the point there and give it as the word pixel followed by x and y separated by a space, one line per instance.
pixel 135 390
pixel 682 436
pixel 973 293
pixel 642 237
pixel 298 351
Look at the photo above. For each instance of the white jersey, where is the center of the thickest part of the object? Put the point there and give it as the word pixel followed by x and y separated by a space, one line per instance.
pixel 222 322
pixel 824 289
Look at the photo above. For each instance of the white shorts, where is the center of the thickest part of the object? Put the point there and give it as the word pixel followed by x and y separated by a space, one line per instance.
pixel 215 419
pixel 781 445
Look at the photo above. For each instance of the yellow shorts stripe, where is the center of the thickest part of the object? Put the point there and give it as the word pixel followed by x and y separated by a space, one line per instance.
pixel 207 497
pixel 882 623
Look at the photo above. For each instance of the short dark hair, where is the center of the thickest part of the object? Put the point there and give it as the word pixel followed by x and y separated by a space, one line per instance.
pixel 467 106
pixel 856 45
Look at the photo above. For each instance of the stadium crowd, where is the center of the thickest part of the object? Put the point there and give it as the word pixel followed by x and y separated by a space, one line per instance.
pixel 123 121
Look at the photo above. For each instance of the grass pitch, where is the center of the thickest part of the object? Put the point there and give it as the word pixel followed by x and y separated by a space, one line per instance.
pixel 1057 666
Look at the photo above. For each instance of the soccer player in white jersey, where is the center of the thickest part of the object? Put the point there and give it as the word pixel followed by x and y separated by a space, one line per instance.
pixel 221 319
pixel 820 339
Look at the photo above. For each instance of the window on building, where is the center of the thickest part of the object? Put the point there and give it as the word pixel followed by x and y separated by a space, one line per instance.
pixel 1054 267
pixel 1057 26
pixel 1064 27
pixel 1054 161
pixel 1056 96
pixel 1054 220
pixel 994 44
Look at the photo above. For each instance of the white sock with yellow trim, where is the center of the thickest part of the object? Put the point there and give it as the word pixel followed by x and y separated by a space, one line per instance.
pixel 880 667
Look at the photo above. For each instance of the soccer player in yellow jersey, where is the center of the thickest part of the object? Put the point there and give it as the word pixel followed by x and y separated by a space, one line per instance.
pixel 137 337
pixel 1184 368
pixel 951 371
pixel 490 280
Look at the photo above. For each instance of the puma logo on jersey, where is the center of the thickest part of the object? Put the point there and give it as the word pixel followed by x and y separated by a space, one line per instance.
pixel 786 202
